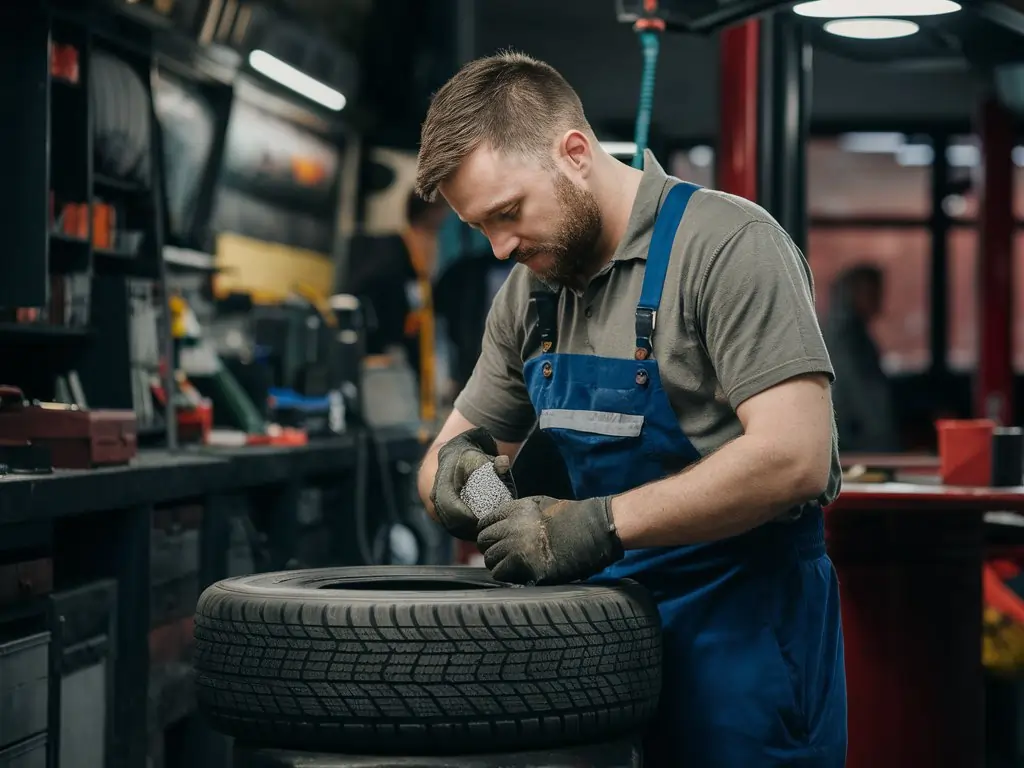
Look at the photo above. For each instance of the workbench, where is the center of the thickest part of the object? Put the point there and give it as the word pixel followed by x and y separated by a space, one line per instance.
pixel 96 524
pixel 909 558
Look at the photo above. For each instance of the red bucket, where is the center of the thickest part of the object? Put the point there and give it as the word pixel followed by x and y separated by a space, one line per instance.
pixel 965 451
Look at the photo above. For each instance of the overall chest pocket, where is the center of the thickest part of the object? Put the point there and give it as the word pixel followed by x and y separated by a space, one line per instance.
pixel 598 446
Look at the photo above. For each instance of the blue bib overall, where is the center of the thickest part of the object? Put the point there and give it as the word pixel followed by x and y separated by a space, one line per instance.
pixel 753 661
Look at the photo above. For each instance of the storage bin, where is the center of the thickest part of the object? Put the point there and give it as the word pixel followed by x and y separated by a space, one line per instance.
pixel 24 687
pixel 30 753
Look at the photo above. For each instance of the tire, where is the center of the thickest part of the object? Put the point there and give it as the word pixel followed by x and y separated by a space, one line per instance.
pixel 618 754
pixel 424 661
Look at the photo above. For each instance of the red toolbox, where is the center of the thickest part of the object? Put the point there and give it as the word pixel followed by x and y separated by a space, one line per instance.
pixel 76 438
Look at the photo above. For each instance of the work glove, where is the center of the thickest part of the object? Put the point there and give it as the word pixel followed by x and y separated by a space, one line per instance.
pixel 540 540
pixel 456 461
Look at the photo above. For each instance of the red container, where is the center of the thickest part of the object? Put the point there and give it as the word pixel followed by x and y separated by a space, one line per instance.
pixel 965 451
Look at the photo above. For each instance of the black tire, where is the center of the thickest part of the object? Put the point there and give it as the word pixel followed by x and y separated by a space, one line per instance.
pixel 618 754
pixel 424 661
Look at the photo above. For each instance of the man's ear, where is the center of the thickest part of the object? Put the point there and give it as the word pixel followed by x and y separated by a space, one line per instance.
pixel 576 152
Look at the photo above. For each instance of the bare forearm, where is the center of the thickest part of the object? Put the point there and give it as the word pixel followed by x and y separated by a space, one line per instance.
pixel 744 484
pixel 425 477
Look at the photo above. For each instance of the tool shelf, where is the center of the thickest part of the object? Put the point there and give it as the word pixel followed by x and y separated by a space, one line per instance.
pixel 83 242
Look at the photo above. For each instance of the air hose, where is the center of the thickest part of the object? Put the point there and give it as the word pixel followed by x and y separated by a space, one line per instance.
pixel 648 29
pixel 371 552
pixel 375 551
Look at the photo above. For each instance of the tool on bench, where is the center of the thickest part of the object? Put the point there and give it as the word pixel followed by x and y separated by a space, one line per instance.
pixel 76 438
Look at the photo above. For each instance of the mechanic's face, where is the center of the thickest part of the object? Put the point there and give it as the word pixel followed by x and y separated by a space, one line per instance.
pixel 530 212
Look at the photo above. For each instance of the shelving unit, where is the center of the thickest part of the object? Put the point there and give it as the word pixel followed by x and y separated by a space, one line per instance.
pixel 98 531
pixel 81 238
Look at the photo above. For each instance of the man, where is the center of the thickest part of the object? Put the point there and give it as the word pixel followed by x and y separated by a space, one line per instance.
pixel 666 338
pixel 393 275
pixel 862 396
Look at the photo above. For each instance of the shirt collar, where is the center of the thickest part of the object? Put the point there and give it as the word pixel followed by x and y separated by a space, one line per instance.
pixel 649 196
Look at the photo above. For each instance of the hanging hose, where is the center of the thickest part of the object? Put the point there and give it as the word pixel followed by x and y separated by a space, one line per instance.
pixel 648 30
pixel 650 43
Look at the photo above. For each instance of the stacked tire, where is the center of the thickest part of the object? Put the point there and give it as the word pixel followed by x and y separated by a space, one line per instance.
pixel 424 661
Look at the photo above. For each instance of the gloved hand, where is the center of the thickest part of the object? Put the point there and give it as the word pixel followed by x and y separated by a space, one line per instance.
pixel 456 460
pixel 540 540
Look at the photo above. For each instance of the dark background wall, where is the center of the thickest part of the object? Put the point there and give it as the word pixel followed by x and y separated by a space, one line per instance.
pixel 601 58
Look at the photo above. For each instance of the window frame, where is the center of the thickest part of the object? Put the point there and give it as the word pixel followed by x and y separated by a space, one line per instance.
pixel 939 223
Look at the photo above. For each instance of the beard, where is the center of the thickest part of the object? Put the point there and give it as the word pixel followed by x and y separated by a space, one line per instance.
pixel 573 248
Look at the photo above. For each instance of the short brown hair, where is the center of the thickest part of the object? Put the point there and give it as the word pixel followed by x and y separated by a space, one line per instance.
pixel 511 101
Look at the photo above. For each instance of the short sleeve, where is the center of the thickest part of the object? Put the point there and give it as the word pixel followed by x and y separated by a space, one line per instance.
pixel 755 308
pixel 495 397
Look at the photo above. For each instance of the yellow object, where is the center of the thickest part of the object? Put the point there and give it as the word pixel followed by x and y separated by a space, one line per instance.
pixel 422 321
pixel 269 271
pixel 179 308
pixel 320 301
pixel 1002 643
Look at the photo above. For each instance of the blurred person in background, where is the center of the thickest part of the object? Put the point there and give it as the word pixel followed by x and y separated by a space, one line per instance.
pixel 861 394
pixel 393 276
pixel 462 296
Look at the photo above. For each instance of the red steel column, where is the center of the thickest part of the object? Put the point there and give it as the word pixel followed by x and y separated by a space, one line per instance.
pixel 738 89
pixel 993 387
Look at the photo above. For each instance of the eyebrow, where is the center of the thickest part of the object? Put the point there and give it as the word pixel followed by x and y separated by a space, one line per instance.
pixel 496 208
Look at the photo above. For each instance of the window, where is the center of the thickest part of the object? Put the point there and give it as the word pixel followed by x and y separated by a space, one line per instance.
pixel 964 156
pixel 696 165
pixel 903 255
pixel 963 300
pixel 869 176
pixel 857 183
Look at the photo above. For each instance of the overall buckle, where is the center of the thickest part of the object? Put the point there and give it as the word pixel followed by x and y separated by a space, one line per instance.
pixel 646 320
pixel 546 305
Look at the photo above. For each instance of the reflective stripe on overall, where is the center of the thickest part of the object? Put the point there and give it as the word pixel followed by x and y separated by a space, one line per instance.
pixel 753 663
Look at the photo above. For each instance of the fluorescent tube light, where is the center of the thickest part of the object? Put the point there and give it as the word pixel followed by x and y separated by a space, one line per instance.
pixel 300 82
pixel 619 148
pixel 873 142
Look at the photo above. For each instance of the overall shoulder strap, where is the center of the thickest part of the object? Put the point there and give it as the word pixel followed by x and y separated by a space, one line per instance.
pixel 545 304
pixel 658 255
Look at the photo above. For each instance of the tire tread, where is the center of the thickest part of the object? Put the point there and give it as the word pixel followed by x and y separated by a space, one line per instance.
pixel 427 678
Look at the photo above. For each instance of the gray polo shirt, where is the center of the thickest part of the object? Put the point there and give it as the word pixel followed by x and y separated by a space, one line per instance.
pixel 736 318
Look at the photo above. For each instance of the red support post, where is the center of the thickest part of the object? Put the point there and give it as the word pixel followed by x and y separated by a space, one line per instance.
pixel 738 88
pixel 993 389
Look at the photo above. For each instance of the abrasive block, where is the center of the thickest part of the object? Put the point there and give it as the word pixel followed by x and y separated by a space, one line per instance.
pixel 484 491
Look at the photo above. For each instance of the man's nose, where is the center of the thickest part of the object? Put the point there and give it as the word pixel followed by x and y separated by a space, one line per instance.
pixel 504 245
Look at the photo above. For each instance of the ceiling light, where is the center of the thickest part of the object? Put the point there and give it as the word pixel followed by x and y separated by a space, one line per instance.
pixel 915 155
pixel 300 82
pixel 871 29
pixel 701 156
pixel 840 9
pixel 874 142
pixel 963 155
